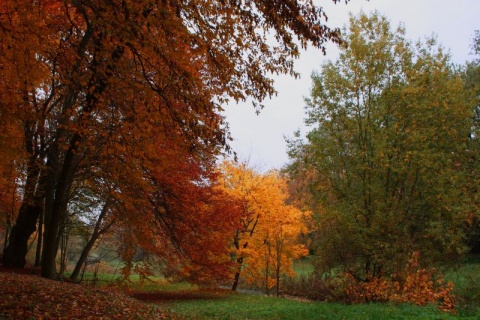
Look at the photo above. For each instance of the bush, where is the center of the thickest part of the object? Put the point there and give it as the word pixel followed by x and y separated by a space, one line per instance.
pixel 419 286
pixel 416 285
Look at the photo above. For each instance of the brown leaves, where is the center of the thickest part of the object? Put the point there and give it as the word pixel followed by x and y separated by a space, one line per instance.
pixel 28 296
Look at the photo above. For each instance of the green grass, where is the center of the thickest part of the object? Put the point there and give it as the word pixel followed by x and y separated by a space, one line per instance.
pixel 466 281
pixel 303 267
pixel 185 301
pixel 243 306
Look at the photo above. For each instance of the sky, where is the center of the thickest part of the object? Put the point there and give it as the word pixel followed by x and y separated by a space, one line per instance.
pixel 259 139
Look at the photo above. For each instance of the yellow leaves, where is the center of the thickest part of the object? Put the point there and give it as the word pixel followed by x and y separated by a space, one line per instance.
pixel 268 241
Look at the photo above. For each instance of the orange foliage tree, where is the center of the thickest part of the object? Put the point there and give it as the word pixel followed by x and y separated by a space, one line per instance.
pixel 100 89
pixel 266 241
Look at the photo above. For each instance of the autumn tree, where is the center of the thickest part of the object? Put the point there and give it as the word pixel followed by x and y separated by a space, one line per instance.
pixel 472 86
pixel 81 76
pixel 384 161
pixel 265 242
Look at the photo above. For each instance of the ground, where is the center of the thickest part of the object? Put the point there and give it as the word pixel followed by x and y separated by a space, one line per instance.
pixel 26 295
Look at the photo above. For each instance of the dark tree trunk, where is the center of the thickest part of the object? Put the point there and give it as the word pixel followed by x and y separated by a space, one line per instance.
pixel 25 225
pixel 237 274
pixel 16 250
pixel 56 208
pixel 83 257
pixel 97 232
pixel 58 212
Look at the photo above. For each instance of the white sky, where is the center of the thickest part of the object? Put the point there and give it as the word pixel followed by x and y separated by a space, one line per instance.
pixel 260 139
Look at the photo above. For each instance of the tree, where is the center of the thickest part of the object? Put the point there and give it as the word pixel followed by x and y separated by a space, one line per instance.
pixel 80 75
pixel 266 240
pixel 385 158
pixel 472 85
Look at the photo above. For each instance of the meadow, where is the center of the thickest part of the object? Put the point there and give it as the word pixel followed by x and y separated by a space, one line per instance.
pixel 189 302
pixel 107 295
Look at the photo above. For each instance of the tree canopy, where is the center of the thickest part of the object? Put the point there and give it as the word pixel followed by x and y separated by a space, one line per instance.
pixel 266 238
pixel 126 96
pixel 385 162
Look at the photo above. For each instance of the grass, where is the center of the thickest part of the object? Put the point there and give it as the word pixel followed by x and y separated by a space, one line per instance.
pixel 184 301
pixel 466 280
pixel 303 267
pixel 193 304
pixel 243 306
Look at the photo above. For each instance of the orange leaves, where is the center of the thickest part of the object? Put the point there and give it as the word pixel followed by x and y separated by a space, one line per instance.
pixel 124 95
pixel 417 285
pixel 269 228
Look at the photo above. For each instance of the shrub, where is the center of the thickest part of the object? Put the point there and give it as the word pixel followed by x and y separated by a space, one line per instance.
pixel 419 286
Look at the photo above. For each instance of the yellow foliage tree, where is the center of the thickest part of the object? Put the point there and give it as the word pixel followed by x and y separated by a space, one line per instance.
pixel 266 243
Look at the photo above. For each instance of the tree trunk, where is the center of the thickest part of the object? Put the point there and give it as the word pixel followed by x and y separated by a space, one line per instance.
pixel 38 253
pixel 63 252
pixel 25 226
pixel 237 274
pixel 16 250
pixel 97 232
pixel 7 235
pixel 277 268
pixel 56 213
pixel 83 257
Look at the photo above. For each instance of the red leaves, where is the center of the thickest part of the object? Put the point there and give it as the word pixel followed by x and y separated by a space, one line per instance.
pixel 27 296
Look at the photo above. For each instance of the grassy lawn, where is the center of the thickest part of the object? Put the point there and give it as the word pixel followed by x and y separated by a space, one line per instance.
pixel 303 267
pixel 192 303
pixel 185 301
pixel 243 306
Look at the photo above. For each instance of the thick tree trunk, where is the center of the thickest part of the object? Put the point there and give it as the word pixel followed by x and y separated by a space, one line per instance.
pixel 53 233
pixel 25 226
pixel 55 214
pixel 16 250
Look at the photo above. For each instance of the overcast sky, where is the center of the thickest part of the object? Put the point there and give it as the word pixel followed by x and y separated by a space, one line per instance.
pixel 260 138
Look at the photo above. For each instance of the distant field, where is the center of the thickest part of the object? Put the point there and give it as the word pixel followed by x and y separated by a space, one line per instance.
pixel 303 267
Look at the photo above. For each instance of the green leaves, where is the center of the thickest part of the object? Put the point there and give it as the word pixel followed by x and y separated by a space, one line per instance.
pixel 390 123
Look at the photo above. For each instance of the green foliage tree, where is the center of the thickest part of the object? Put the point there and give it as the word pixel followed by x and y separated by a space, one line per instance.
pixel 472 86
pixel 384 162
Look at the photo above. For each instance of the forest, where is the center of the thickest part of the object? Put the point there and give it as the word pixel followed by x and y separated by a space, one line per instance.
pixel 117 171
